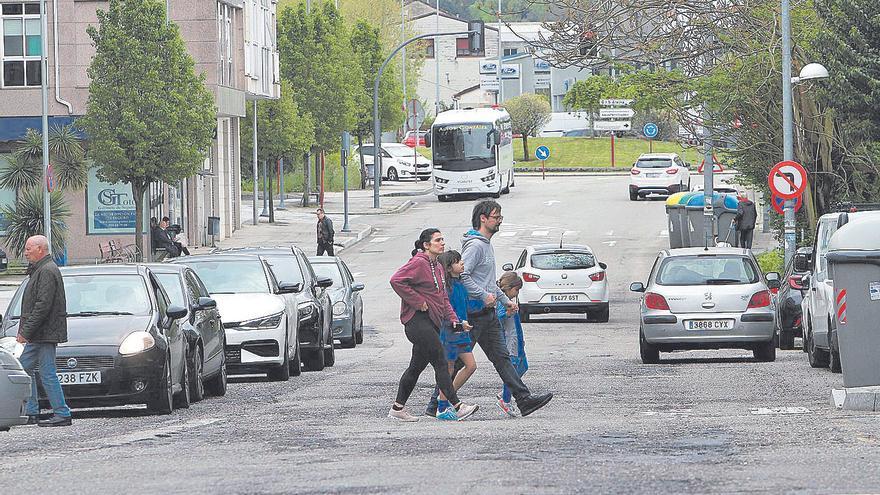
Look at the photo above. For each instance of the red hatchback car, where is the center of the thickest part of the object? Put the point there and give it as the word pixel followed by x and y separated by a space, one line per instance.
pixel 410 139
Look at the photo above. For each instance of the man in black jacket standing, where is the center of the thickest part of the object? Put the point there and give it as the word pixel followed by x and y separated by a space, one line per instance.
pixel 42 327
pixel 325 233
pixel 746 216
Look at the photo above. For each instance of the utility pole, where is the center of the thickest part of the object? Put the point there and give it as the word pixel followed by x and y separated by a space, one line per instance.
pixel 256 217
pixel 500 55
pixel 44 89
pixel 787 132
pixel 403 67
pixel 437 64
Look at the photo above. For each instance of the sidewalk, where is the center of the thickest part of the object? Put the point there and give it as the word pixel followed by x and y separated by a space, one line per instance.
pixel 297 225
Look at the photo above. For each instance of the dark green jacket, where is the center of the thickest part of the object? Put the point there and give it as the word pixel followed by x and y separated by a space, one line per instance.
pixel 43 305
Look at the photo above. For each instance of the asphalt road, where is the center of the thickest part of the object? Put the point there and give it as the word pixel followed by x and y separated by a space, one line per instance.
pixel 700 422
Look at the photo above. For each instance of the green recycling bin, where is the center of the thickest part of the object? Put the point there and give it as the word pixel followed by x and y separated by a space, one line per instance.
pixel 673 213
pixel 854 266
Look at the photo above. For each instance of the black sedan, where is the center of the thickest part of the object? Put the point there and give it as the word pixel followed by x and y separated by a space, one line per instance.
pixel 125 343
pixel 205 336
pixel 788 301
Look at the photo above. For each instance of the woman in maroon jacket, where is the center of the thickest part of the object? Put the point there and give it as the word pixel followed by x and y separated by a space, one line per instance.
pixel 424 307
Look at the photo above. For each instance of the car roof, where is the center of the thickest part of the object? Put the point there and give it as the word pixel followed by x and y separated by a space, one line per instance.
pixel 256 251
pixel 217 257
pixel 542 248
pixel 664 156
pixel 852 215
pixel 323 259
pixel 165 267
pixel 694 251
pixel 105 269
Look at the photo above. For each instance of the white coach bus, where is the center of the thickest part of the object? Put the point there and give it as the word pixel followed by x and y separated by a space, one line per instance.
pixel 472 152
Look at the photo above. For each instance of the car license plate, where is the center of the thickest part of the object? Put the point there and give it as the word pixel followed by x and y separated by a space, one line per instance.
pixel 565 298
pixel 709 324
pixel 652 176
pixel 79 377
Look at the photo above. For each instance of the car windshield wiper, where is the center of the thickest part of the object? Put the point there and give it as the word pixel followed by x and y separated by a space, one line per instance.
pixel 723 281
pixel 99 313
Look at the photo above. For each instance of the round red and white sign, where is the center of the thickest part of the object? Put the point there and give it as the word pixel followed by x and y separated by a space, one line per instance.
pixel 787 180
pixel 779 204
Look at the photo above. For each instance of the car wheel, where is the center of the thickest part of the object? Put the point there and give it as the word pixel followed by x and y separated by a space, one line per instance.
pixel 296 362
pixel 601 316
pixel 834 351
pixel 197 380
pixel 817 357
pixel 184 398
pixel 506 189
pixel 360 334
pixel 633 195
pixel 392 174
pixel 216 386
pixel 766 352
pixel 442 198
pixel 163 401
pixel 314 358
pixel 649 353
pixel 330 355
pixel 281 373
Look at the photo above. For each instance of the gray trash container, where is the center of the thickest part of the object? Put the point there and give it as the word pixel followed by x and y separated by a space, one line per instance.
pixel 696 220
pixel 854 265
pixel 725 212
pixel 674 212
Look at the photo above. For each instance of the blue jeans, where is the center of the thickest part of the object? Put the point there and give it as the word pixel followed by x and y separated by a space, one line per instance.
pixel 40 359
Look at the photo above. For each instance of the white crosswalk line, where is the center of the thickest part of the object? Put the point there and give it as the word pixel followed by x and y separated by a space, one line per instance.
pixel 379 239
pixel 610 243
pixel 507 234
pixel 540 233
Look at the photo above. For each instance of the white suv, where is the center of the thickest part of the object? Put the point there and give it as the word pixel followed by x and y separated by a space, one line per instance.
pixel 399 161
pixel 658 173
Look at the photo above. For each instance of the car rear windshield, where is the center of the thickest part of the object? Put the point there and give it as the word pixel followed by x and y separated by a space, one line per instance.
pixel 654 163
pixel 707 270
pixel 232 277
pixel 563 260
pixel 329 270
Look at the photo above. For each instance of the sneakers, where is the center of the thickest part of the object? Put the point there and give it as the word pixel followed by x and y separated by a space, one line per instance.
pixel 448 414
pixel 402 415
pixel 466 410
pixel 56 420
pixel 506 407
pixel 532 403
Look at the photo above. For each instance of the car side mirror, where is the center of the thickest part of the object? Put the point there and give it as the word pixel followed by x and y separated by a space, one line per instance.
pixel 324 282
pixel 770 276
pixel 802 262
pixel 175 312
pixel 603 266
pixel 508 267
pixel 289 288
pixel 637 287
pixel 206 303
pixel 773 284
pixel 427 139
pixel 357 287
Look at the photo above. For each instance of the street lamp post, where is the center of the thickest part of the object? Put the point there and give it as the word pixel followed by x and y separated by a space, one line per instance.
pixel 44 88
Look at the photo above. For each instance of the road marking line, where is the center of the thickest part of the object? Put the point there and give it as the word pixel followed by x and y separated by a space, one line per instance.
pixel 507 234
pixel 551 202
pixel 610 243
pixel 664 233
pixel 571 232
pixel 540 233
pixel 761 411
pixel 380 239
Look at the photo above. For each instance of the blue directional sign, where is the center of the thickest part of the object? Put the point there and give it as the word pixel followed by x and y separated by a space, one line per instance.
pixel 651 130
pixel 542 153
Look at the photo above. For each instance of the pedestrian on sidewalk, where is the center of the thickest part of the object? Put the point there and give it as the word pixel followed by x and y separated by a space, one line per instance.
pixel 325 233
pixel 457 343
pixel 172 237
pixel 483 292
pixel 746 216
pixel 510 284
pixel 42 327
pixel 424 307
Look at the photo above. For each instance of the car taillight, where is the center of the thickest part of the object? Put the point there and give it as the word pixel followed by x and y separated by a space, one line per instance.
pixel 655 301
pixel 671 171
pixel 598 277
pixel 760 299
pixel 797 322
pixel 530 277
pixel 635 171
pixel 796 282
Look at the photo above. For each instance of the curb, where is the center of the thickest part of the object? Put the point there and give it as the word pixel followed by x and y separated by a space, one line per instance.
pixel 361 235
pixel 409 193
pixel 397 209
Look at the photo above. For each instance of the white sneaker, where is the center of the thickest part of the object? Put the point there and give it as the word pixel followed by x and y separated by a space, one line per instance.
pixel 402 415
pixel 466 410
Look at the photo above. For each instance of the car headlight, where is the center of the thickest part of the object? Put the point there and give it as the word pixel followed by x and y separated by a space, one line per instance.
pixel 488 178
pixel 306 311
pixel 440 180
pixel 11 346
pixel 264 323
pixel 136 342
pixel 339 308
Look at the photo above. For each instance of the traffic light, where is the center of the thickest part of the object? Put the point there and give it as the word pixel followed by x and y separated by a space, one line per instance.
pixel 588 46
pixel 477 37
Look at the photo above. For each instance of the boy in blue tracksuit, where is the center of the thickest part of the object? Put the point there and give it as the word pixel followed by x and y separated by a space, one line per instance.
pixel 511 328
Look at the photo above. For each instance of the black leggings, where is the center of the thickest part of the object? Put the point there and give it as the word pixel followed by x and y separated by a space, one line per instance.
pixel 425 338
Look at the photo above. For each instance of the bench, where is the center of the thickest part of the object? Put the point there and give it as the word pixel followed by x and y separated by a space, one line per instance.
pixel 113 251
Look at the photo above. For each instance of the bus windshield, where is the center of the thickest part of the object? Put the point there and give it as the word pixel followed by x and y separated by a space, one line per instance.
pixel 463 147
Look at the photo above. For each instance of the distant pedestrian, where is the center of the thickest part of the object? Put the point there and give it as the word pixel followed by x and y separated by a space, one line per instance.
pixel 421 285
pixel 325 233
pixel 746 216
pixel 483 292
pixel 172 236
pixel 510 283
pixel 42 327
pixel 457 343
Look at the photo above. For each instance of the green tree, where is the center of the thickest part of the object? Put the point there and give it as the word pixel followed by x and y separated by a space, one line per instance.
pixel 528 113
pixel 65 153
pixel 150 117
pixel 26 219
pixel 282 130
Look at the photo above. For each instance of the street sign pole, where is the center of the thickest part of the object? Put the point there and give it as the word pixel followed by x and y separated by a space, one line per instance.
pixel 346 146
pixel 787 121
pixel 542 153
pixel 612 149
pixel 281 184
pixel 44 89
pixel 709 192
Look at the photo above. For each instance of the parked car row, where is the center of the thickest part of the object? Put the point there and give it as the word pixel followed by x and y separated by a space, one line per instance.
pixel 168 334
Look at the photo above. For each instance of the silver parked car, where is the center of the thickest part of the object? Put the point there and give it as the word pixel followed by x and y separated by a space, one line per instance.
pixel 15 388
pixel 698 298
pixel 345 293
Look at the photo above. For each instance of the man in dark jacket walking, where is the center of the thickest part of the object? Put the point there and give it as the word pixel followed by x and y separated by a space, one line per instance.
pixel 746 215
pixel 42 327
pixel 325 233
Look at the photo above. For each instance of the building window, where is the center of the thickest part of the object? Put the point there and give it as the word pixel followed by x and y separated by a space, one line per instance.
pixel 510 51
pixel 428 47
pixel 225 16
pixel 22 44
